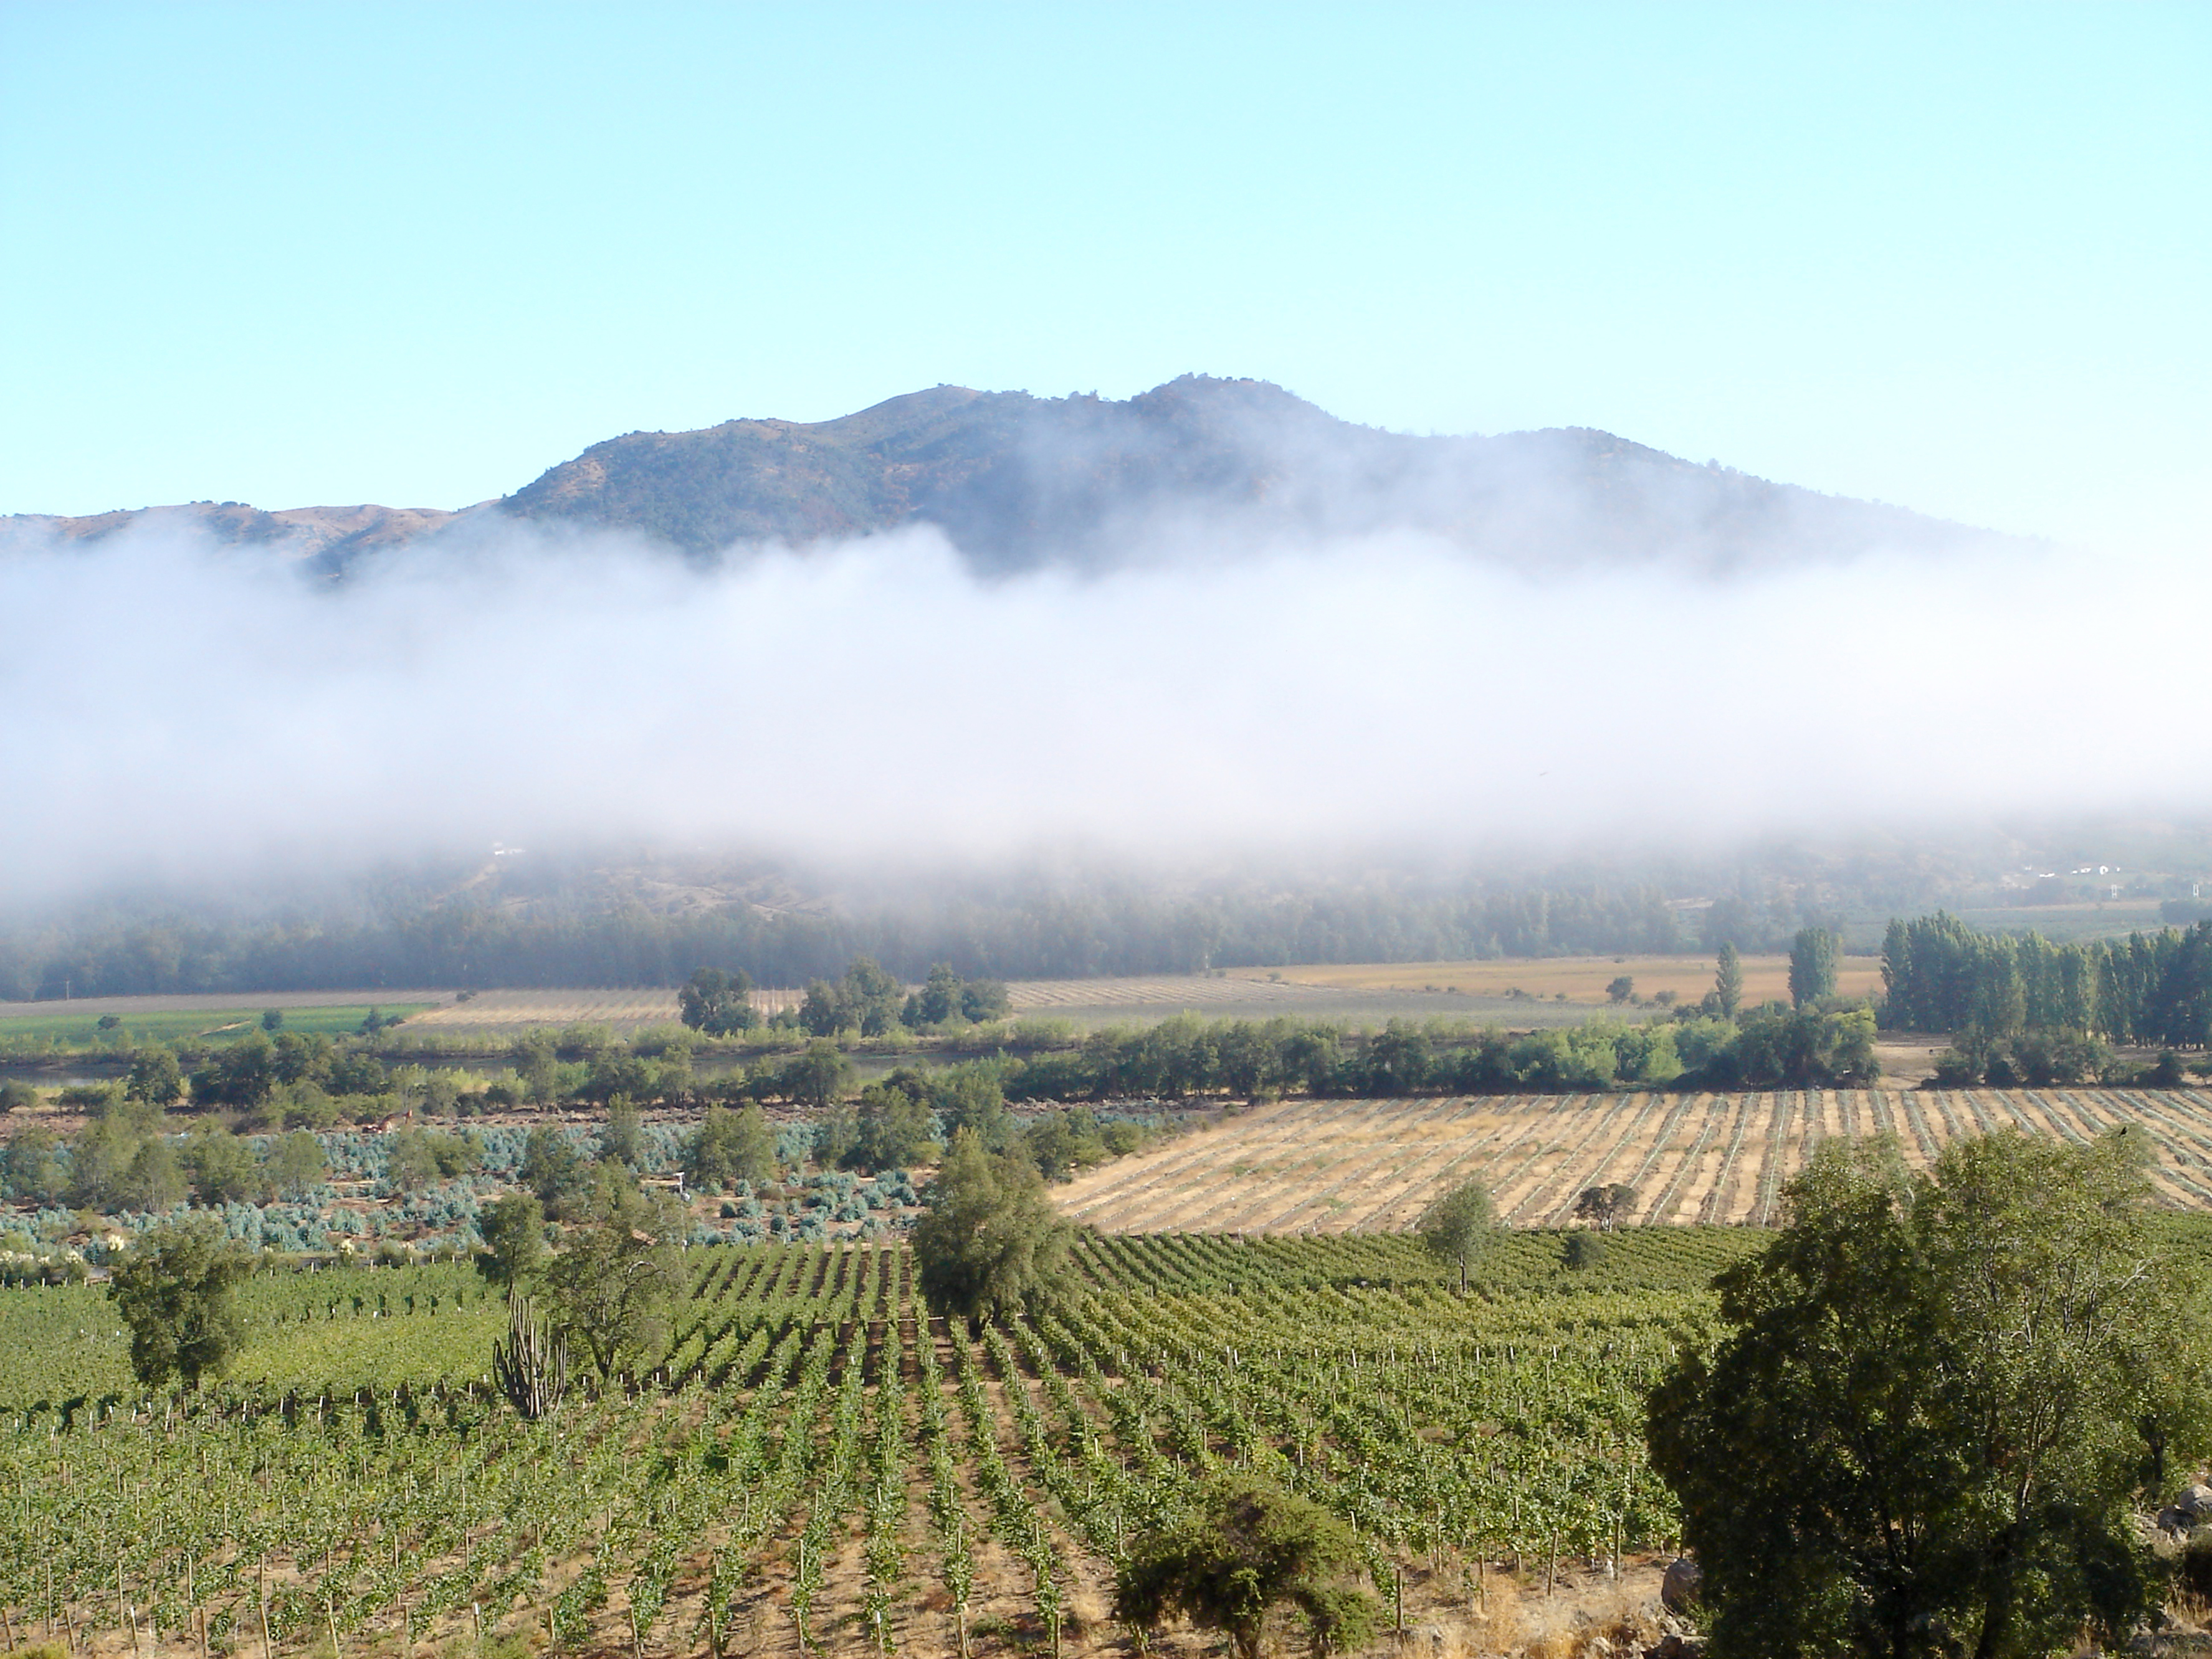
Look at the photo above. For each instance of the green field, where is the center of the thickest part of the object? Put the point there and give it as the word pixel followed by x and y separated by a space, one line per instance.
pixel 819 1455
pixel 67 1033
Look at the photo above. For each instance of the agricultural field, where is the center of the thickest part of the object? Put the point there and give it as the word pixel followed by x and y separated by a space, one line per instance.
pixel 821 1465
pixel 1366 1166
pixel 1575 979
pixel 30 1028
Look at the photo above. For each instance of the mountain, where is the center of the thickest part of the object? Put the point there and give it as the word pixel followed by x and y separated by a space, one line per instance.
pixel 334 534
pixel 1019 482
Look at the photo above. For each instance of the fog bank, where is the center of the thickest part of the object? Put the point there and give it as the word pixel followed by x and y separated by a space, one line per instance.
pixel 180 711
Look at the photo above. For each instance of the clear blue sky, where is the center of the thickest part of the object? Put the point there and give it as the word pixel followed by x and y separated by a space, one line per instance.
pixel 1955 258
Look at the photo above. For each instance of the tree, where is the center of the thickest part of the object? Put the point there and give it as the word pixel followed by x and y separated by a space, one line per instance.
pixel 819 1014
pixel 223 1168
pixel 1620 987
pixel 717 1003
pixel 1246 1547
pixel 835 1135
pixel 175 1290
pixel 1459 1226
pixel 31 1170
pixel 1813 956
pixel 1728 982
pixel 990 1244
pixel 612 1285
pixel 552 1170
pixel 870 997
pixel 1936 1396
pixel 816 1077
pixel 155 1077
pixel 17 1095
pixel 272 1019
pixel 623 1137
pixel 895 1127
pixel 514 1229
pixel 1607 1205
pixel 296 1164
pixel 985 998
pixel 731 1145
pixel 937 1002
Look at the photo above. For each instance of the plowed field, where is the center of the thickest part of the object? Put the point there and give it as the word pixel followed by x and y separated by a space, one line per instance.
pixel 1372 1165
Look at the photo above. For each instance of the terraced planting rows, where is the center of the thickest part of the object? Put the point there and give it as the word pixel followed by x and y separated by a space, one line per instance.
pixel 822 1465
pixel 1372 1166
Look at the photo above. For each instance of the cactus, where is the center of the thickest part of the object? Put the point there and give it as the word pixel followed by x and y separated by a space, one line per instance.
pixel 530 1371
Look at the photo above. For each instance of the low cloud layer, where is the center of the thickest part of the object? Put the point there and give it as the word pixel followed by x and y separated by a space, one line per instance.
pixel 181 712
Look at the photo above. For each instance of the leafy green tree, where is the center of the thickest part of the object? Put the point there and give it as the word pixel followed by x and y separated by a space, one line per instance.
pixel 1814 955
pixel 552 1170
pixel 514 1229
pixel 869 997
pixel 938 1001
pixel 296 1164
pixel 1607 1206
pixel 17 1095
pixel 1243 1549
pixel 308 1057
pixel 272 1019
pixel 895 1130
pixel 1620 987
pixel 1399 1059
pixel 1728 982
pixel 1460 1225
pixel 243 1074
pixel 1934 1404
pixel 223 1168
pixel 176 1290
pixel 972 1099
pixel 990 1245
pixel 154 1179
pixel 816 1077
pixel 622 1136
pixel 820 1012
pixel 983 1000
pixel 835 1135
pixel 32 1170
pixel 155 1077
pixel 731 1145
pixel 613 1285
pixel 717 1003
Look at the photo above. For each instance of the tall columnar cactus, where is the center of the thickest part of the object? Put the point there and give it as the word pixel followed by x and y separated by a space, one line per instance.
pixel 531 1371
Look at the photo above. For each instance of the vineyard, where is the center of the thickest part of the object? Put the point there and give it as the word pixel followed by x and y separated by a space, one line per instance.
pixel 1367 1165
pixel 819 1463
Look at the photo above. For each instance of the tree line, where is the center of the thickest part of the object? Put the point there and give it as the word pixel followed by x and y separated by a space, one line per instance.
pixel 2149 988
pixel 427 937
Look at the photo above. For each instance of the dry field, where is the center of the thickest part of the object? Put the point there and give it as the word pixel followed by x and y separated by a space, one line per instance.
pixel 1583 978
pixel 1328 1166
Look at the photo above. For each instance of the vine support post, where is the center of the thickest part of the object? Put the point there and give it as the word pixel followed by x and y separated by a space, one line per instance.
pixel 261 1599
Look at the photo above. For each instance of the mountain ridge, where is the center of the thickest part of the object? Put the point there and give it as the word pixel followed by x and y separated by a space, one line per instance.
pixel 1017 482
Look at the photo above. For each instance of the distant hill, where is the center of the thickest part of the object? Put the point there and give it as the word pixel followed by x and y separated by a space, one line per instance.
pixel 334 534
pixel 1016 481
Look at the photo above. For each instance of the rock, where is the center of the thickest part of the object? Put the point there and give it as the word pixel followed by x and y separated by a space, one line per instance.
pixel 2195 1500
pixel 1675 1647
pixel 1679 1588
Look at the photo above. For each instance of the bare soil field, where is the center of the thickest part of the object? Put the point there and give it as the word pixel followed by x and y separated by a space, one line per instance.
pixel 1337 1166
pixel 1582 979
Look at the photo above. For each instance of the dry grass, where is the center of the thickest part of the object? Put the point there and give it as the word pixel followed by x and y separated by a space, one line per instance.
pixel 1335 1166
pixel 1584 979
